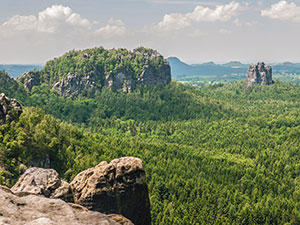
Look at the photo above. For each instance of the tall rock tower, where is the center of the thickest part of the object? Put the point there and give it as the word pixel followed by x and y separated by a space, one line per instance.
pixel 259 74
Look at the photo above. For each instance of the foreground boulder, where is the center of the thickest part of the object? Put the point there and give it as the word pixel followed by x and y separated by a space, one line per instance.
pixel 10 109
pixel 38 210
pixel 259 74
pixel 44 182
pixel 118 187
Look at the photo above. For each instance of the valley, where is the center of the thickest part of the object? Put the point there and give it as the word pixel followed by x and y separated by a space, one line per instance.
pixel 221 154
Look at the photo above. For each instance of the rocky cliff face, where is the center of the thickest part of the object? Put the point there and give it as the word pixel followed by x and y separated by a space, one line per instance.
pixel 74 84
pixel 30 79
pixel 116 69
pixel 152 76
pixel 10 109
pixel 259 74
pixel 118 189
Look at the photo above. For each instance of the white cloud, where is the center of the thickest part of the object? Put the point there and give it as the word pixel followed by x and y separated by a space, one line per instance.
pixel 177 21
pixel 49 20
pixel 238 23
pixel 197 33
pixel 185 2
pixel 260 3
pixel 283 11
pixel 113 28
pixel 62 21
pixel 225 31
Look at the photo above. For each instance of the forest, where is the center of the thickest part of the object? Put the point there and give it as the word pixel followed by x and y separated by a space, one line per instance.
pixel 222 154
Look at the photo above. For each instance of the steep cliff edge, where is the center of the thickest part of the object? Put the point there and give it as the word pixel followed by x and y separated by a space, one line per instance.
pixel 87 71
pixel 117 187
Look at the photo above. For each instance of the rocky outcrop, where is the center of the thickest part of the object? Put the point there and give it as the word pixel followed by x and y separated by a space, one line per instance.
pixel 38 210
pixel 10 109
pixel 88 71
pixel 118 187
pixel 30 79
pixel 259 74
pixel 73 85
pixel 152 76
pixel 120 80
pixel 44 182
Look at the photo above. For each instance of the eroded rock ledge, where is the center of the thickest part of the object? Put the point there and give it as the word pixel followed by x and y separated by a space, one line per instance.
pixel 38 210
pixel 118 189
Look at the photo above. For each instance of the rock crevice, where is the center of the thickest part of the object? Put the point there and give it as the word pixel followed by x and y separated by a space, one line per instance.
pixel 118 189
pixel 259 74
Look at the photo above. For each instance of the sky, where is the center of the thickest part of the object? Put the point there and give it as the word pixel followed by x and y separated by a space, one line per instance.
pixel 34 31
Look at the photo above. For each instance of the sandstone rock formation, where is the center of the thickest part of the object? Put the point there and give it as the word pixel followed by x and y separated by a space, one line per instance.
pixel 152 76
pixel 120 80
pixel 38 210
pixel 259 74
pixel 10 109
pixel 73 85
pixel 117 69
pixel 44 182
pixel 30 79
pixel 118 187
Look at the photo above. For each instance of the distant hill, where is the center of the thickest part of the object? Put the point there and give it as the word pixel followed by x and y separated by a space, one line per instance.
pixel 180 69
pixel 85 72
pixel 15 70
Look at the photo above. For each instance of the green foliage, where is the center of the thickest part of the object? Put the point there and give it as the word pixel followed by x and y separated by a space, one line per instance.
pixel 225 154
pixel 98 62
pixel 12 88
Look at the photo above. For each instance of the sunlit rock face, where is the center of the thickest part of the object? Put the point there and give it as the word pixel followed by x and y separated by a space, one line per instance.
pixel 118 187
pixel 10 109
pixel 259 74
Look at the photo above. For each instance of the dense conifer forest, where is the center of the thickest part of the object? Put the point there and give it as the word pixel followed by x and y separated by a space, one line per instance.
pixel 224 154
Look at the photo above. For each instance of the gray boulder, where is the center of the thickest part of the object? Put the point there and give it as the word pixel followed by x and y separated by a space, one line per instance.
pixel 44 182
